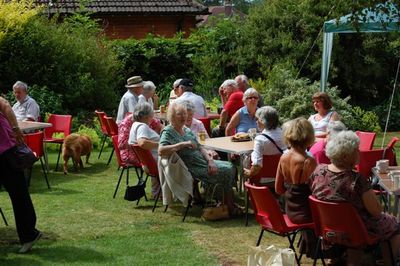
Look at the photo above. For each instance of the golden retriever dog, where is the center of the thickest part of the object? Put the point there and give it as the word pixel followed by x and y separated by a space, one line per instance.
pixel 75 146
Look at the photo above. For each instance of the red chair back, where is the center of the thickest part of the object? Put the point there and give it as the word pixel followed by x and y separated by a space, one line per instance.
pixel 35 142
pixel 266 208
pixel 103 122
pixel 268 171
pixel 146 159
pixel 112 126
pixel 117 151
pixel 366 140
pixel 392 142
pixel 207 124
pixel 339 223
pixel 367 160
pixel 60 124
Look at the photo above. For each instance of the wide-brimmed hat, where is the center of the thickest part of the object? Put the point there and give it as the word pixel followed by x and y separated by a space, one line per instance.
pixel 133 82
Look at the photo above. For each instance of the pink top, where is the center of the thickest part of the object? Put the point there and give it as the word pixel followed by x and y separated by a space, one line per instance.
pixel 318 152
pixel 198 126
pixel 7 139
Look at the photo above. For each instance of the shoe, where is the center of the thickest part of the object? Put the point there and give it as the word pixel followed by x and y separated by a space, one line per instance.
pixel 28 245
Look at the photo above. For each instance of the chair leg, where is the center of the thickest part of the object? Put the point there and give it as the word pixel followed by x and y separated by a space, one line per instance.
pixel 58 158
pixel 119 181
pixel 187 208
pixel 292 238
pixel 102 145
pixel 259 238
pixel 111 155
pixel 44 172
pixel 155 202
pixel 4 218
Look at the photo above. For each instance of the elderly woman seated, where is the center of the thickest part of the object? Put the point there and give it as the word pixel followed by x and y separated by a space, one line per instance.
pixel 244 118
pixel 144 136
pixel 149 95
pixel 269 142
pixel 338 182
pixel 177 138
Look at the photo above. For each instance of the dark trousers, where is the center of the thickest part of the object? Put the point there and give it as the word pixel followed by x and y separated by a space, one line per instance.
pixel 24 213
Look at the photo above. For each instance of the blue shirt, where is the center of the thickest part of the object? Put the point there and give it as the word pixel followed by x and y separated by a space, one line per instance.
pixel 245 122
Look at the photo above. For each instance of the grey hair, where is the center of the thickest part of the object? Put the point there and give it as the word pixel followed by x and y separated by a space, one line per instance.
pixel 176 83
pixel 172 110
pixel 20 85
pixel 141 110
pixel 334 127
pixel 189 105
pixel 148 87
pixel 243 78
pixel 229 82
pixel 342 150
pixel 268 116
pixel 250 92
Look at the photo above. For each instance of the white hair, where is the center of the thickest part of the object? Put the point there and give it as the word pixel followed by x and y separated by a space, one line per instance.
pixel 20 85
pixel 250 92
pixel 342 150
pixel 229 82
pixel 148 87
pixel 176 83
pixel 334 127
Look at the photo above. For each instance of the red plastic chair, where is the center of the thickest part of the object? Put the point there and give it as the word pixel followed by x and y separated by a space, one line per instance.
pixel 35 142
pixel 60 124
pixel 266 176
pixel 207 124
pixel 271 219
pixel 112 131
pixel 366 140
pixel 125 166
pixel 339 223
pixel 104 129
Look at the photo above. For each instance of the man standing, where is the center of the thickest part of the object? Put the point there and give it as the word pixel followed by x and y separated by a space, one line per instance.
pixel 131 97
pixel 26 108
pixel 184 92
pixel 232 100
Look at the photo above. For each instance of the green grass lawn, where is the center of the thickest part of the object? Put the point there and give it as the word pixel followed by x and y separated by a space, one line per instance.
pixel 84 225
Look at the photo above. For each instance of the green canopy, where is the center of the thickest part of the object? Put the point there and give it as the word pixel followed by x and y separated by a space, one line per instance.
pixel 383 18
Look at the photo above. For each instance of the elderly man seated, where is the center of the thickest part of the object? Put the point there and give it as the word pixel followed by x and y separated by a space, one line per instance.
pixel 26 108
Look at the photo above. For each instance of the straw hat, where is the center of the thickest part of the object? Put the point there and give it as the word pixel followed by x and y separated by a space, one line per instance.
pixel 133 82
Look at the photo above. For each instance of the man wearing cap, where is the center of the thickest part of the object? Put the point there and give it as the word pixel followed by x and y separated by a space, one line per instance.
pixel 185 93
pixel 26 108
pixel 131 97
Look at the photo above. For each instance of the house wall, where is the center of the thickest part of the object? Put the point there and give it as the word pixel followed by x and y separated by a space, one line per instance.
pixel 123 27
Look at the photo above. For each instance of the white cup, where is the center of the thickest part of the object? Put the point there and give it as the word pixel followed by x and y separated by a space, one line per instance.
pixel 382 166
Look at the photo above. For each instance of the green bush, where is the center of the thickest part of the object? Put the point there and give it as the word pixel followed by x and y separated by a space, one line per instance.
pixel 69 58
pixel 364 120
pixel 92 134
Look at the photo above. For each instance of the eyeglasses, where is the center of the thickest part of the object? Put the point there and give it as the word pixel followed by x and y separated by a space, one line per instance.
pixel 252 98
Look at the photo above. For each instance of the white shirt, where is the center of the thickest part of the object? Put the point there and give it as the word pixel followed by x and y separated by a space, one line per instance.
pixel 143 99
pixel 263 146
pixel 320 126
pixel 27 109
pixel 198 126
pixel 127 104
pixel 142 130
pixel 196 100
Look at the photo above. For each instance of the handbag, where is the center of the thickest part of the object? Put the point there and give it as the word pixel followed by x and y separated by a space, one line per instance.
pixel 271 256
pixel 20 157
pixel 133 193
pixel 215 211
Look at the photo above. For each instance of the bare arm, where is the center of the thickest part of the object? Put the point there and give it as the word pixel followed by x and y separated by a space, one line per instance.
pixel 253 171
pixel 147 144
pixel 371 203
pixel 279 181
pixel 6 109
pixel 223 118
pixel 167 150
pixel 212 167
pixel 235 120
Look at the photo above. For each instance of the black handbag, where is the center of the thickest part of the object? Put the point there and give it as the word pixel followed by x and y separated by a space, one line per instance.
pixel 133 193
pixel 20 157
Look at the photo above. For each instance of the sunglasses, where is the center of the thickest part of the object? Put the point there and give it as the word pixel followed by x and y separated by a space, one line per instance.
pixel 252 98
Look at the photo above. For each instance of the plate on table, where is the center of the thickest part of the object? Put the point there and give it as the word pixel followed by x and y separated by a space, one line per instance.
pixel 240 137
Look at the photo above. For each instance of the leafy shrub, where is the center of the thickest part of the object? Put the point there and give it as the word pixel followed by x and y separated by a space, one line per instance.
pixel 92 134
pixel 69 57
pixel 382 112
pixel 364 120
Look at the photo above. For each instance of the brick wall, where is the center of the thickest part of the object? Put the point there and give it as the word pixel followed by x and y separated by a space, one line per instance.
pixel 123 27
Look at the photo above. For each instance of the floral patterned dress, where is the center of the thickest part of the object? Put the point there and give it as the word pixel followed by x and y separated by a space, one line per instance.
pixel 194 160
pixel 350 186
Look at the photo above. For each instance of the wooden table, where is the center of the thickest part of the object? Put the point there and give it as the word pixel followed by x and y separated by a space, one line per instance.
pixel 388 185
pixel 31 125
pixel 225 144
